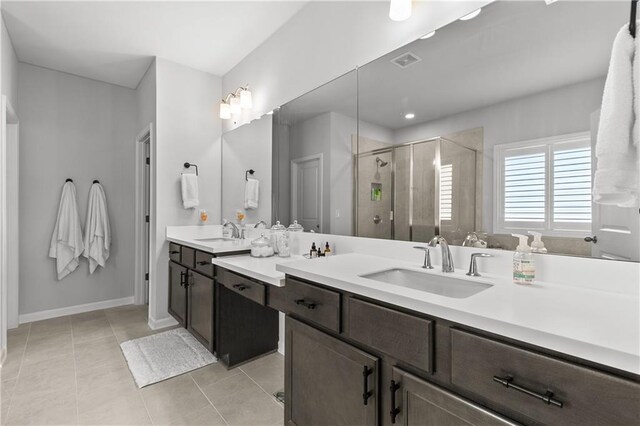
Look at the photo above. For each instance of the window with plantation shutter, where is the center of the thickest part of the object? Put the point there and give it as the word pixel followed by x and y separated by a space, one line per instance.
pixel 446 192
pixel 544 185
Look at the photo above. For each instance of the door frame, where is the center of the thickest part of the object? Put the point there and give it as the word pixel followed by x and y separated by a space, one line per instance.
pixel 140 258
pixel 8 117
pixel 295 165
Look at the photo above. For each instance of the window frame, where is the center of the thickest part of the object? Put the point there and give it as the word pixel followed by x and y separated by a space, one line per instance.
pixel 547 146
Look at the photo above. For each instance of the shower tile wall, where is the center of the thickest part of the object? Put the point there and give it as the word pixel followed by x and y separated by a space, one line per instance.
pixel 369 172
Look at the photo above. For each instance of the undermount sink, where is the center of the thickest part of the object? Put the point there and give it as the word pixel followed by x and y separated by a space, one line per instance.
pixel 430 283
pixel 214 240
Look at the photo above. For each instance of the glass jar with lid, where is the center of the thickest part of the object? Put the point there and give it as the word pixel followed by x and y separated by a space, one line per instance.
pixel 261 247
pixel 295 227
pixel 276 230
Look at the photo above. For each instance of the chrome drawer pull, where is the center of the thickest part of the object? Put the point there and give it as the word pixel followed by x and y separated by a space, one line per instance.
pixel 547 397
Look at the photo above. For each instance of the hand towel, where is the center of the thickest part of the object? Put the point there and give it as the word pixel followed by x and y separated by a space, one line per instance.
pixel 190 191
pixel 616 177
pixel 66 241
pixel 251 193
pixel 97 238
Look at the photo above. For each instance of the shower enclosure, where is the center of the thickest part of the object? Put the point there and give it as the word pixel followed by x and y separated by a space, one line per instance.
pixel 415 191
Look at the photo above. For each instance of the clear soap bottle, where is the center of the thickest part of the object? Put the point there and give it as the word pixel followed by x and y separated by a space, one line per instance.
pixel 524 267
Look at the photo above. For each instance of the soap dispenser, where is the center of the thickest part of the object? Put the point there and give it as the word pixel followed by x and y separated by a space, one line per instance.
pixel 524 268
pixel 537 246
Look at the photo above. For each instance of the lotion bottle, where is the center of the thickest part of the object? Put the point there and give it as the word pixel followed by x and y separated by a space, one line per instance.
pixel 524 267
pixel 537 246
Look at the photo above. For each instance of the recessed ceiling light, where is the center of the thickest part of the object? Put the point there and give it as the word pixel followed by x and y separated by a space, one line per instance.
pixel 429 35
pixel 471 15
pixel 548 2
pixel 409 116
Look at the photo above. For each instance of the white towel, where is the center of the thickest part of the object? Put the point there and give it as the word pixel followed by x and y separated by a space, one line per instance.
pixel 251 193
pixel 190 191
pixel 97 238
pixel 66 241
pixel 616 177
pixel 636 90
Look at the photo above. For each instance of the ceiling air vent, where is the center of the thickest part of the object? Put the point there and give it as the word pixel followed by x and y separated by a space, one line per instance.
pixel 406 59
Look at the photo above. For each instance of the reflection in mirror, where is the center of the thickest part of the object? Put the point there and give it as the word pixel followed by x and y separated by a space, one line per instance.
pixel 313 155
pixel 247 147
pixel 489 126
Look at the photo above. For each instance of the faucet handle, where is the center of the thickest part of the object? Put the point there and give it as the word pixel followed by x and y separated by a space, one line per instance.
pixel 427 257
pixel 473 267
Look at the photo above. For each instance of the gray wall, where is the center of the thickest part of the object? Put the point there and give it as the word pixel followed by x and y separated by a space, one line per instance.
pixel 244 148
pixel 82 129
pixel 9 68
pixel 555 112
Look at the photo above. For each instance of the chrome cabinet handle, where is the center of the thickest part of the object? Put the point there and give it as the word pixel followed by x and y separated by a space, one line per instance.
pixel 547 397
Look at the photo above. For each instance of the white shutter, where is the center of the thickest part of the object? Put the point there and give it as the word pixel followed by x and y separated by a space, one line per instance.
pixel 524 188
pixel 572 186
pixel 446 192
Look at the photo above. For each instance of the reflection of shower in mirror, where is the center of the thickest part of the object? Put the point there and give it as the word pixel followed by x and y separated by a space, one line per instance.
pixel 380 162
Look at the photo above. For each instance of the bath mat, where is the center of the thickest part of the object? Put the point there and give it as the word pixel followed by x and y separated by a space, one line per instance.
pixel 158 357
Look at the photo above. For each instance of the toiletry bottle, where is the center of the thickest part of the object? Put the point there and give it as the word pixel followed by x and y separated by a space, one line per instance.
pixel 314 251
pixel 327 249
pixel 537 246
pixel 524 268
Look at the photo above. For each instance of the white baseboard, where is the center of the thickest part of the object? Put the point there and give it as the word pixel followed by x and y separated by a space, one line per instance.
pixel 156 324
pixel 77 309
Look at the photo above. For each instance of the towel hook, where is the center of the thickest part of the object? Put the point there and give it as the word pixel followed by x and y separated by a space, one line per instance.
pixel 96 181
pixel 187 165
pixel 632 19
pixel 69 180
pixel 248 172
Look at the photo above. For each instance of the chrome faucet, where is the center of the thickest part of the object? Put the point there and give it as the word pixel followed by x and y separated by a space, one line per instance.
pixel 473 266
pixel 262 222
pixel 427 258
pixel 235 231
pixel 447 259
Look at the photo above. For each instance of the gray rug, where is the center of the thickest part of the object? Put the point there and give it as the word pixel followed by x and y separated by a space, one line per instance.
pixel 161 356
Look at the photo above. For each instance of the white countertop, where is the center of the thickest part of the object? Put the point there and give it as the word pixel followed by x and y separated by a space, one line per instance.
pixel 196 236
pixel 263 269
pixel 603 327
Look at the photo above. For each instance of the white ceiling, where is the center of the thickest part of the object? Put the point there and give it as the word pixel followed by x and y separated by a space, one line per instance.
pixel 512 49
pixel 116 41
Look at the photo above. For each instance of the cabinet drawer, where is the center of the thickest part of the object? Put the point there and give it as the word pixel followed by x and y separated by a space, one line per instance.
pixel 405 337
pixel 203 263
pixel 516 381
pixel 242 285
pixel 188 257
pixel 174 252
pixel 309 302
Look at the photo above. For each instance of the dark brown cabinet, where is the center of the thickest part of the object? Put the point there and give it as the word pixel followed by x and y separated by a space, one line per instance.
pixel 327 381
pixel 178 292
pixel 417 402
pixel 200 308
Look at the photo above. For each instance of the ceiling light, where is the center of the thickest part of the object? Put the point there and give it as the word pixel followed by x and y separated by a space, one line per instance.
pixel 234 105
pixel 245 98
pixel 399 10
pixel 429 35
pixel 548 2
pixel 409 116
pixel 471 15
pixel 225 110
pixel 270 112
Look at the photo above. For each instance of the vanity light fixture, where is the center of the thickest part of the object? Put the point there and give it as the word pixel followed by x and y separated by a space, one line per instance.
pixel 409 116
pixel 428 35
pixel 399 10
pixel 235 102
pixel 471 15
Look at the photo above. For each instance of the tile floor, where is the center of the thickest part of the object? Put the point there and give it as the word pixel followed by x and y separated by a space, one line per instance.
pixel 70 370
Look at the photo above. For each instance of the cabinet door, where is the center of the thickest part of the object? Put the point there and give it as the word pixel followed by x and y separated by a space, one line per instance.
pixel 178 293
pixel 201 316
pixel 327 381
pixel 417 402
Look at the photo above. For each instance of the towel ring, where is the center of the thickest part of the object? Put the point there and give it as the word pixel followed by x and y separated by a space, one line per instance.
pixel 248 172
pixel 187 165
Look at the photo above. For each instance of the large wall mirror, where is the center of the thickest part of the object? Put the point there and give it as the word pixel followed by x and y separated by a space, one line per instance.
pixel 484 129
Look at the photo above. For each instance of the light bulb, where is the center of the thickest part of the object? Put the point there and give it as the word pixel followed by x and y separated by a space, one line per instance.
pixel 245 99
pixel 399 10
pixel 428 35
pixel 225 111
pixel 409 116
pixel 234 105
pixel 471 15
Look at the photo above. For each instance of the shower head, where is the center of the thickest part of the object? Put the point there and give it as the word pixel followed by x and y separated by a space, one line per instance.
pixel 380 162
